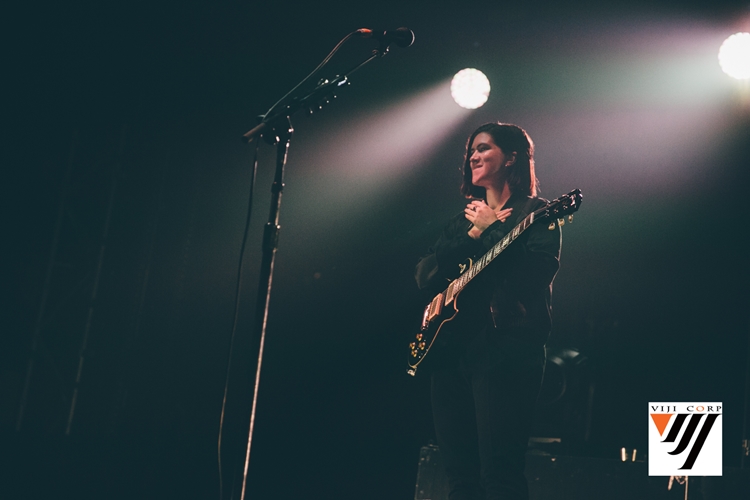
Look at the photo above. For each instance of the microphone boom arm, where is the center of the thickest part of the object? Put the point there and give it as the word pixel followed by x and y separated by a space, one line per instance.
pixel 320 95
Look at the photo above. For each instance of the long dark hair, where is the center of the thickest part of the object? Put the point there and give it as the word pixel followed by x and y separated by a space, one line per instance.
pixel 511 139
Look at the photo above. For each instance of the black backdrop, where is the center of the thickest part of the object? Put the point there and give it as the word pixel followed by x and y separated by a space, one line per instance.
pixel 125 175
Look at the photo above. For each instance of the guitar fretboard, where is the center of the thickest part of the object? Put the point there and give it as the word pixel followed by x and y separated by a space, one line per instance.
pixel 460 283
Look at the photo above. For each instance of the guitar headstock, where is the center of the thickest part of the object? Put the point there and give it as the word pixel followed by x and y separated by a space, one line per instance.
pixel 566 204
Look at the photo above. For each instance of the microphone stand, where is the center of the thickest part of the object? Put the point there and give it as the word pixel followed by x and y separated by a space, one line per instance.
pixel 745 438
pixel 276 128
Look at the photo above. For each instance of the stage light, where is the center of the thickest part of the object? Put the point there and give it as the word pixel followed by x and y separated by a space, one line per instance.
pixel 734 56
pixel 470 88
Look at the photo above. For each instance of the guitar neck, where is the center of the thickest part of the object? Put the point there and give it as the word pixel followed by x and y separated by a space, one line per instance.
pixel 460 283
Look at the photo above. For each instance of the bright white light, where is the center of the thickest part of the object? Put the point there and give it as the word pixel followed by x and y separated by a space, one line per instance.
pixel 734 56
pixel 470 88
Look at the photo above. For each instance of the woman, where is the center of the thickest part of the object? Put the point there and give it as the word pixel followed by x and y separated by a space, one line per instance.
pixel 486 383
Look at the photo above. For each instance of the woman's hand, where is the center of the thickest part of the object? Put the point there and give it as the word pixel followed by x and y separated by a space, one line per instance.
pixel 502 215
pixel 482 216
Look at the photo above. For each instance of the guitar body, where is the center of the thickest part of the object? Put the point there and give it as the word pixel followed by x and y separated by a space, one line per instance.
pixel 428 334
pixel 443 309
pixel 438 334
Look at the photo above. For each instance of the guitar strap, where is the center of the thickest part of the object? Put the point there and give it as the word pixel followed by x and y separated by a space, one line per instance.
pixel 506 310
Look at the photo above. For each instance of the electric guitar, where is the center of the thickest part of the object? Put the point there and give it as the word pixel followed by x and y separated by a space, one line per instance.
pixel 438 313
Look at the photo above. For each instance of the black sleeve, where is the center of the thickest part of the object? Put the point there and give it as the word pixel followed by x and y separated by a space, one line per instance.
pixel 541 257
pixel 441 261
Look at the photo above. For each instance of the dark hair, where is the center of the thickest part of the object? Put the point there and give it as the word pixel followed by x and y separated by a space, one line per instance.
pixel 510 139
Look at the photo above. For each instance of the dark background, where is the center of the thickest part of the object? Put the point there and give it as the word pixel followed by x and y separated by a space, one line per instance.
pixel 126 189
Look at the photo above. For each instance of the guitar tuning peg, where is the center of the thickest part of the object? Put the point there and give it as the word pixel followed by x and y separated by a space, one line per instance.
pixel 551 226
pixel 561 222
pixel 570 218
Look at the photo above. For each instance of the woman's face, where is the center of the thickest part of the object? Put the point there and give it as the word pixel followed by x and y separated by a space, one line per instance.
pixel 487 161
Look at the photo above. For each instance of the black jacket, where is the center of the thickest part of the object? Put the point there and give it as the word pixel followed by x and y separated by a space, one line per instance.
pixel 512 295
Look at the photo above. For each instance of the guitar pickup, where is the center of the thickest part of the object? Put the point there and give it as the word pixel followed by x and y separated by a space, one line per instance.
pixel 432 310
pixel 436 307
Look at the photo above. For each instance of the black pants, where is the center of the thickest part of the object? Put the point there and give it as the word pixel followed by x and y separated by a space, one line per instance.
pixel 482 421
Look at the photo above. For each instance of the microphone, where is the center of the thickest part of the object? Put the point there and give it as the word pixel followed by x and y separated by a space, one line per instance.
pixel 403 37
